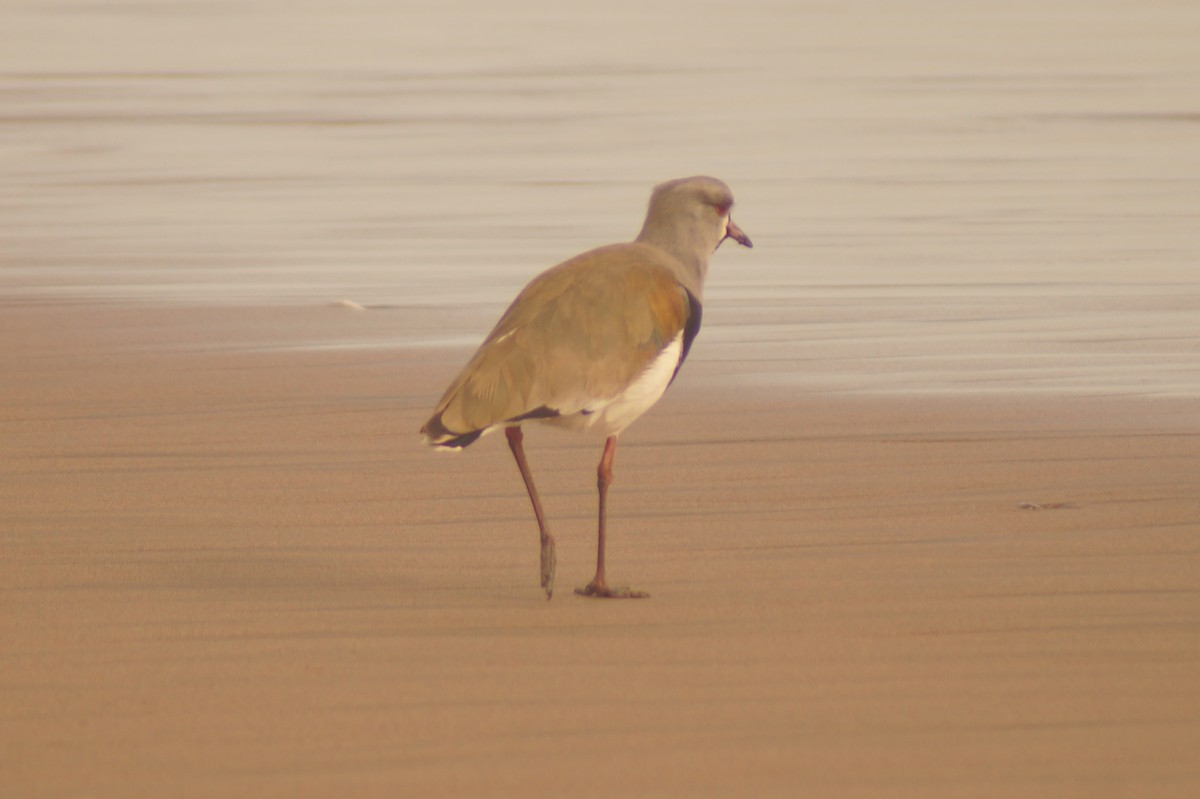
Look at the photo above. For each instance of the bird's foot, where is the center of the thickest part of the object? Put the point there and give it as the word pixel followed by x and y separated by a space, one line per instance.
pixel 549 560
pixel 600 590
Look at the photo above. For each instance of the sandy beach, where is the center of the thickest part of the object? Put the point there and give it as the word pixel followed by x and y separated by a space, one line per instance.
pixel 919 517
pixel 235 573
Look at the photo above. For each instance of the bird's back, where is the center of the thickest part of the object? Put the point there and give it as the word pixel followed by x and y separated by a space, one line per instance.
pixel 578 335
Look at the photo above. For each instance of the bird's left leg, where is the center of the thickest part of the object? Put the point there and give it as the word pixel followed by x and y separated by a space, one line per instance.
pixel 598 587
pixel 515 437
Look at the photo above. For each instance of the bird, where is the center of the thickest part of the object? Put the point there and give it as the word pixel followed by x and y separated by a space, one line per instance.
pixel 591 344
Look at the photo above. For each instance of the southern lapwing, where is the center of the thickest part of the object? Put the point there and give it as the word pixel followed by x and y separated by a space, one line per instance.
pixel 592 343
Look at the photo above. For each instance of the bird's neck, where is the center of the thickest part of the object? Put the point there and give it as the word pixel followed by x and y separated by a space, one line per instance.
pixel 689 250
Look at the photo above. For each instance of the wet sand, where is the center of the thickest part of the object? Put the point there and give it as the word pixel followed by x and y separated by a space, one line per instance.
pixel 231 571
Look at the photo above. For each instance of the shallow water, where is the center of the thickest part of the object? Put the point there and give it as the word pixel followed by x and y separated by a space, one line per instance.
pixel 943 196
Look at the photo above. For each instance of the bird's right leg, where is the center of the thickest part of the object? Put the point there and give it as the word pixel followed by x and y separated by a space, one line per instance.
pixel 515 437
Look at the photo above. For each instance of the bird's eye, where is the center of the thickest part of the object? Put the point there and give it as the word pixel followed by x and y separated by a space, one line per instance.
pixel 722 210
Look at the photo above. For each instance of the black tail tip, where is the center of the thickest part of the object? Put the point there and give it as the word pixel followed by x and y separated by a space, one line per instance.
pixel 454 442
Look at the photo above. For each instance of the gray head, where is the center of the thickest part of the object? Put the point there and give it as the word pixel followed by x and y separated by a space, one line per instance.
pixel 689 218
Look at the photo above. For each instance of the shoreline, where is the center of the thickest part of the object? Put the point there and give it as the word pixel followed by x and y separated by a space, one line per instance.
pixel 838 350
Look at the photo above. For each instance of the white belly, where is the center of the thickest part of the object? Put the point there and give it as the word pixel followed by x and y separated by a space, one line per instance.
pixel 614 415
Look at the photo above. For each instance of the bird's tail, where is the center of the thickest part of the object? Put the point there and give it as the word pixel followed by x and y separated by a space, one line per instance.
pixel 436 434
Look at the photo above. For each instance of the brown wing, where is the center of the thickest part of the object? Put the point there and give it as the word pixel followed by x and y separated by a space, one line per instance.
pixel 579 332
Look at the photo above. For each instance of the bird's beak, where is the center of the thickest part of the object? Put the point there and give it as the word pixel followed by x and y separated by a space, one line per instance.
pixel 734 232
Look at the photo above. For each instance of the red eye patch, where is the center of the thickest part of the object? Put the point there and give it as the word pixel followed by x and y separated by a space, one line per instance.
pixel 722 209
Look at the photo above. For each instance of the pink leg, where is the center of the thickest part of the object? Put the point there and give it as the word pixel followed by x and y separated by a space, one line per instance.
pixel 598 587
pixel 515 437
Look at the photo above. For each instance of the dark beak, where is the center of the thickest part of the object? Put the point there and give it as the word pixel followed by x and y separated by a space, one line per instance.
pixel 734 232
